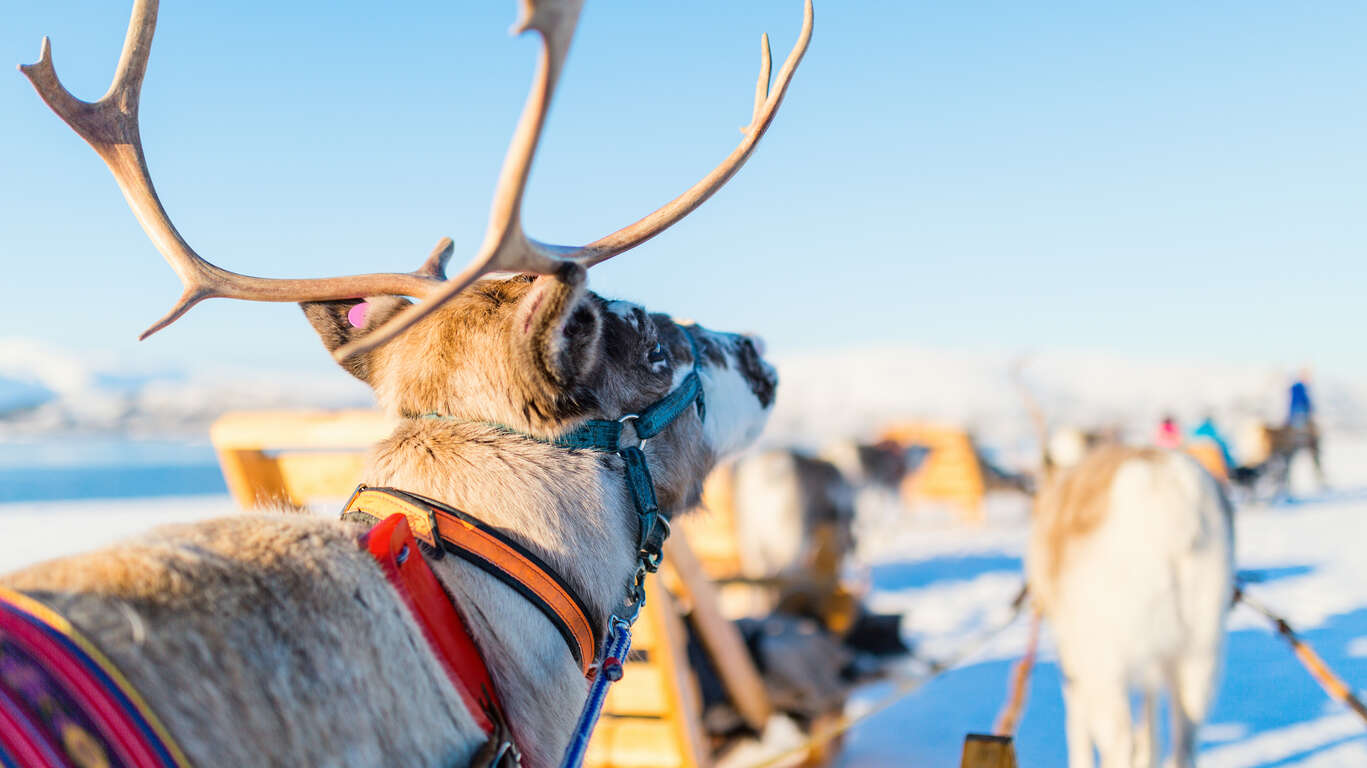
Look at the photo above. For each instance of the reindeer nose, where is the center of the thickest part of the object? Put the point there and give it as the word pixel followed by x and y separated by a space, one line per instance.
pixel 756 342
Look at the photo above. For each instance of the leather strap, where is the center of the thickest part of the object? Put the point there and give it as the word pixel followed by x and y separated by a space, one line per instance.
pixel 490 551
pixel 392 545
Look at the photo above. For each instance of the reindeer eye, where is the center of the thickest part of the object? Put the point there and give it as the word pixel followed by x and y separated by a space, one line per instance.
pixel 657 355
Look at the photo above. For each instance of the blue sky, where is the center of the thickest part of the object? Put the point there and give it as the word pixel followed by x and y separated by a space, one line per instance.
pixel 1165 179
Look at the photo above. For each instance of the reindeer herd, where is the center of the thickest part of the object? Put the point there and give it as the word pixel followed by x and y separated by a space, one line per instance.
pixel 1130 555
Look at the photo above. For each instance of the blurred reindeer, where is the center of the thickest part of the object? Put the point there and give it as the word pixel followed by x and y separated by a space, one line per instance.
pixel 1130 559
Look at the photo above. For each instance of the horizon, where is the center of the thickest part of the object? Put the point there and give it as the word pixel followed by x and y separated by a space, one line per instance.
pixel 1164 183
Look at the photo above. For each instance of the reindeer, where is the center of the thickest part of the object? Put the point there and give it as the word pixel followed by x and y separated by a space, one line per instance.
pixel 273 639
pixel 1131 560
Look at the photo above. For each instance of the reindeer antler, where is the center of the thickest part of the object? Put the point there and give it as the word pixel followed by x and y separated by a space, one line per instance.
pixel 110 126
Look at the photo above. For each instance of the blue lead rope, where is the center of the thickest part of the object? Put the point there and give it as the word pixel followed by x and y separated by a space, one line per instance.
pixel 614 656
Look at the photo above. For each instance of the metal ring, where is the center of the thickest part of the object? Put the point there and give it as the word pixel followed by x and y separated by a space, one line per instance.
pixel 632 418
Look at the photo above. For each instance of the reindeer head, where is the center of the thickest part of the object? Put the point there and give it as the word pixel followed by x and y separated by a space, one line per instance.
pixel 534 353
pixel 540 354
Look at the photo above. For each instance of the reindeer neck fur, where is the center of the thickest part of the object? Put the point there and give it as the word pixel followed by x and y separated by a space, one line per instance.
pixel 570 507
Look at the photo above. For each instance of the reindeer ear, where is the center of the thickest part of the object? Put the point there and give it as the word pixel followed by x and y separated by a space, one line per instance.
pixel 557 331
pixel 338 322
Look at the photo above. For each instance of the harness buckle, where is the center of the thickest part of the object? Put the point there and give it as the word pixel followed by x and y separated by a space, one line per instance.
pixel 632 418
pixel 436 550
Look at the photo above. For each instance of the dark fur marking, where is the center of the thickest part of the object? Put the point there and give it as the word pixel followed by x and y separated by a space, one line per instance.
pixel 761 381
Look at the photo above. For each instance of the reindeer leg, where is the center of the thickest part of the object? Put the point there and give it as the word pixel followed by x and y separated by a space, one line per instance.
pixel 1146 741
pixel 1079 735
pixel 1192 687
pixel 1112 724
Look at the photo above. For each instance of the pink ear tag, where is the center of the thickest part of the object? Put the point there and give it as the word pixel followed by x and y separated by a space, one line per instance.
pixel 357 314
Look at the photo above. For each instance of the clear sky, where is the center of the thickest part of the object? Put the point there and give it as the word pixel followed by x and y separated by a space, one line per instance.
pixel 1164 179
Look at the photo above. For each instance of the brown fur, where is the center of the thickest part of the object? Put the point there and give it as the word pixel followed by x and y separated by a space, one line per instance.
pixel 1076 500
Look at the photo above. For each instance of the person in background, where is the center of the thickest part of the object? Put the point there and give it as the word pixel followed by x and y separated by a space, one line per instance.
pixel 1209 431
pixel 1302 433
pixel 1300 411
pixel 1168 435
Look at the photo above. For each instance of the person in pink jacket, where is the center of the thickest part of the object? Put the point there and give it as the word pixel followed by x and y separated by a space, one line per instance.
pixel 1168 435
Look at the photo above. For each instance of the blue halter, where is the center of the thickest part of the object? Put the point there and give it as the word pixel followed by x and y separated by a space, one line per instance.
pixel 605 436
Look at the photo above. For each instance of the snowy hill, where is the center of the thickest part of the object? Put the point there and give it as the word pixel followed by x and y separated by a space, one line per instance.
pixel 822 396
pixel 856 392
pixel 45 391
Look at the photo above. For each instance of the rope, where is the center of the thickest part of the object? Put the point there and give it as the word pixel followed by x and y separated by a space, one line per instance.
pixel 1332 684
pixel 905 688
pixel 1010 716
pixel 619 645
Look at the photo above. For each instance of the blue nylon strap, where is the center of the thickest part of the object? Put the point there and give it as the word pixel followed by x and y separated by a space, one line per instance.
pixel 658 416
pixel 615 655
pixel 654 529
pixel 604 435
pixel 595 435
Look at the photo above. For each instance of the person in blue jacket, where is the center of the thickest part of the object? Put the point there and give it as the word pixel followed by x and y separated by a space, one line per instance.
pixel 1209 431
pixel 1300 410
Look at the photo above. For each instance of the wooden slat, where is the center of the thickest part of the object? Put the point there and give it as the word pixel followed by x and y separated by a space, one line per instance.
pixel 310 477
pixel 292 430
pixel 253 478
pixel 640 693
pixel 723 641
pixel 672 655
pixel 633 743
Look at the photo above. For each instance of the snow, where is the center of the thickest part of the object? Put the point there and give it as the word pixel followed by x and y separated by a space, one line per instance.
pixel 38 531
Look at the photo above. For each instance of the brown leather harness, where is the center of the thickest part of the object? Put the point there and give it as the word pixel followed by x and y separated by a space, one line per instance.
pixel 400 520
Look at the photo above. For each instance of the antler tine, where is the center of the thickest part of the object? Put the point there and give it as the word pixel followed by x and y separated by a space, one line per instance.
pixel 110 126
pixel 435 266
pixel 762 83
pixel 767 101
pixel 506 247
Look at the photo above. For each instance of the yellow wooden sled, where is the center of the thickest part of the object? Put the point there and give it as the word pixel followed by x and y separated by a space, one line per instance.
pixel 653 716
pixel 951 473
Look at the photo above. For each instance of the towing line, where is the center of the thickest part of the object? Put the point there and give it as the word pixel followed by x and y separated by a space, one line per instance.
pixel 1332 684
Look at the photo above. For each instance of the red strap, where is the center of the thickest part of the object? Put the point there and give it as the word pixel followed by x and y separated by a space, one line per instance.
pixel 392 545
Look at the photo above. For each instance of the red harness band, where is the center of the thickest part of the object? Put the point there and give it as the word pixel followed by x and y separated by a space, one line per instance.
pixel 449 530
pixel 392 545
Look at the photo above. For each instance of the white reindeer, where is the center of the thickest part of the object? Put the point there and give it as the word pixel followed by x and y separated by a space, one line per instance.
pixel 1131 561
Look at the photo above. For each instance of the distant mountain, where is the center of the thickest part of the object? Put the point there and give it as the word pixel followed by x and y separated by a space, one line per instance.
pixel 822 395
pixel 45 391
pixel 856 392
